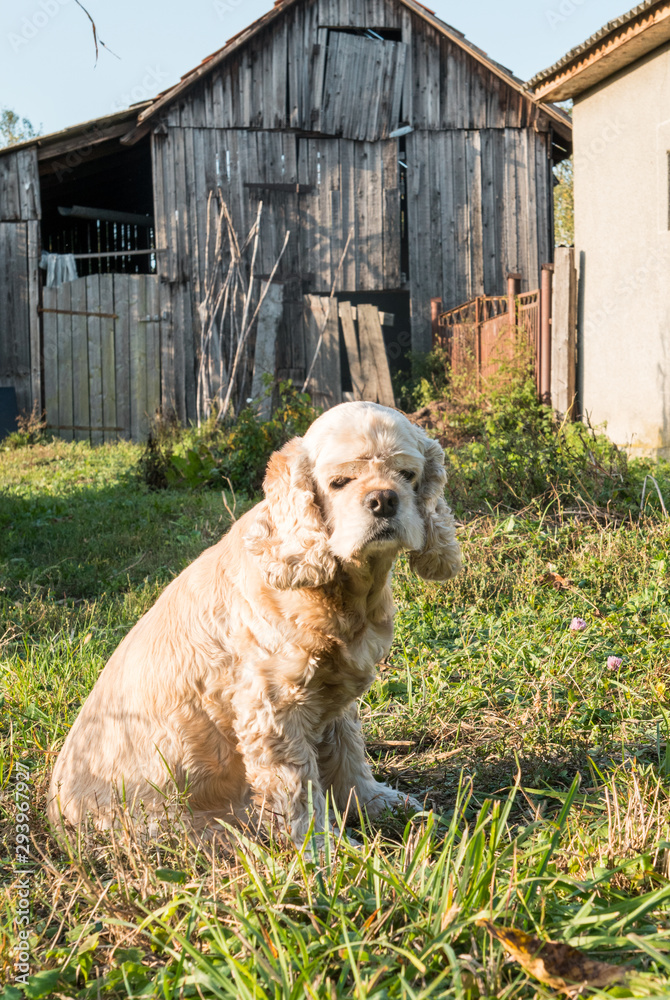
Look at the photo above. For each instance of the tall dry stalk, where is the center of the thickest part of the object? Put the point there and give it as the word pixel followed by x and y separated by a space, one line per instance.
pixel 227 312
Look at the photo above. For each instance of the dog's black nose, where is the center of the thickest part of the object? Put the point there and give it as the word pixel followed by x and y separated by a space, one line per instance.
pixel 382 503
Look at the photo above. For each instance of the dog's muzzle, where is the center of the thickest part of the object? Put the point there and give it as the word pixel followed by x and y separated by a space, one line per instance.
pixel 382 503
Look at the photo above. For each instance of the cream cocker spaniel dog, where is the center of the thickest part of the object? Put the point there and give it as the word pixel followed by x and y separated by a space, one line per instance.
pixel 240 684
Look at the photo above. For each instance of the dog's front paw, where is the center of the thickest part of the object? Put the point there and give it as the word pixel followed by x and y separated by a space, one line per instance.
pixel 385 797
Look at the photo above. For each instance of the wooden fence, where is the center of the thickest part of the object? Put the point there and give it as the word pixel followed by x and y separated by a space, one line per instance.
pixel 102 356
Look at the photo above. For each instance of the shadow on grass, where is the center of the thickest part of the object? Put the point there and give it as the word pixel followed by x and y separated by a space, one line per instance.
pixel 92 540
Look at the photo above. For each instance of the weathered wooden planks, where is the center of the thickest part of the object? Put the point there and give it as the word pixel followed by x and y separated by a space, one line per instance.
pixel 81 415
pixel 19 186
pixel 269 319
pixel 564 333
pixel 122 383
pixel 153 338
pixel 94 357
pixel 373 356
pixel 15 312
pixel 61 298
pixel 138 360
pixel 301 71
pixel 51 358
pixel 102 356
pixel 323 350
pixel 107 356
pixel 33 302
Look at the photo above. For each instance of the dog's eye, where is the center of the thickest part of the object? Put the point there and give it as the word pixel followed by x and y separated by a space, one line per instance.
pixel 337 484
pixel 408 475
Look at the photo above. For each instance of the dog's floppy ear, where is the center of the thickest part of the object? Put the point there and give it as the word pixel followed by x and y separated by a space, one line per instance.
pixel 289 537
pixel 440 557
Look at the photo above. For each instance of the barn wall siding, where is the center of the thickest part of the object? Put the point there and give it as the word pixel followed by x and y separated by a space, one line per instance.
pixel 344 186
pixel 475 213
pixel 287 109
pixel 19 321
pixel 19 186
pixel 20 353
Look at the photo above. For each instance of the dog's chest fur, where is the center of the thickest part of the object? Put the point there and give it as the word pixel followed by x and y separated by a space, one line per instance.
pixel 336 637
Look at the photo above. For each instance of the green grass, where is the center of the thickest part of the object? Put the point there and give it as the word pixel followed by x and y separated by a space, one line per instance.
pixel 546 773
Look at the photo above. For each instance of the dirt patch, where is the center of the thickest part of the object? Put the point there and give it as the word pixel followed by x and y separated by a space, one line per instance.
pixel 447 421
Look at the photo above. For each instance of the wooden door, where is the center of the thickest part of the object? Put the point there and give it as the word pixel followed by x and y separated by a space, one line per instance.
pixel 102 357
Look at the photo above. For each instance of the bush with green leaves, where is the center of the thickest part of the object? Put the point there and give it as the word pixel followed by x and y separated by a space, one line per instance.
pixel 425 382
pixel 219 454
pixel 524 456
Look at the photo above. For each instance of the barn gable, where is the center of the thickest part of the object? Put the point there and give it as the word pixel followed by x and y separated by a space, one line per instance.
pixel 397 62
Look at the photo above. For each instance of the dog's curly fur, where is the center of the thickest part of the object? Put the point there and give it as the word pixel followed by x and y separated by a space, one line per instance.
pixel 240 684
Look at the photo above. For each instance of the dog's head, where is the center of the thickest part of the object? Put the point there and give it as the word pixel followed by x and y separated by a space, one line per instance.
pixel 362 481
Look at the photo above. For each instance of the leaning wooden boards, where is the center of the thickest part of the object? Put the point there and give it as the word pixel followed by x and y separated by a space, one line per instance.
pixel 365 350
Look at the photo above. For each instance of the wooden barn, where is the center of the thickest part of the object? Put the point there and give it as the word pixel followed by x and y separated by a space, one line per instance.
pixel 363 119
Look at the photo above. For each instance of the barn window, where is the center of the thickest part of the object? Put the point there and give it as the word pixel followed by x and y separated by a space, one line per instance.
pixel 381 34
pixel 97 203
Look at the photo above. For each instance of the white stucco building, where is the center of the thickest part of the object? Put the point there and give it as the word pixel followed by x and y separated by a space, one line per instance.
pixel 619 81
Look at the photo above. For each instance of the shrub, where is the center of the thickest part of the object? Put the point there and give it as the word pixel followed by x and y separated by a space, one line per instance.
pixel 522 456
pixel 425 382
pixel 30 429
pixel 217 454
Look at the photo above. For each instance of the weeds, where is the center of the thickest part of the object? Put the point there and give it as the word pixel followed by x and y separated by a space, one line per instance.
pixel 424 380
pixel 506 451
pixel 217 454
pixel 543 768
pixel 30 429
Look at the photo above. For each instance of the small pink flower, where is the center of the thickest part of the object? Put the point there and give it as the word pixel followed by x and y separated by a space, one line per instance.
pixel 577 625
pixel 614 662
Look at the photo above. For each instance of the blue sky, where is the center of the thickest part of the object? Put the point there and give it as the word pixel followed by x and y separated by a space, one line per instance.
pixel 47 62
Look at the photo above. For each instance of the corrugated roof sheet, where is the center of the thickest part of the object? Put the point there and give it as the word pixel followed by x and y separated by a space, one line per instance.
pixel 614 25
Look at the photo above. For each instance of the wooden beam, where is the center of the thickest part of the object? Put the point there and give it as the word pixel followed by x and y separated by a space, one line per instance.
pixel 93 137
pixel 135 134
pixel 564 333
pixel 290 188
pixel 116 253
pixel 106 215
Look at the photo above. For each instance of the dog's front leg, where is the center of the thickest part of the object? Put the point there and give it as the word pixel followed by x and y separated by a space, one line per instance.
pixel 346 772
pixel 281 765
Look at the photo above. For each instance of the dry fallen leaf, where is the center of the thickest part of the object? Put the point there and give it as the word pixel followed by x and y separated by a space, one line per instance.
pixel 557 581
pixel 556 965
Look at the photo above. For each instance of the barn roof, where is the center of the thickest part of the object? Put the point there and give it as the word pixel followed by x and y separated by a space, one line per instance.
pixel 132 123
pixel 616 45
pixel 560 119
pixel 89 133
